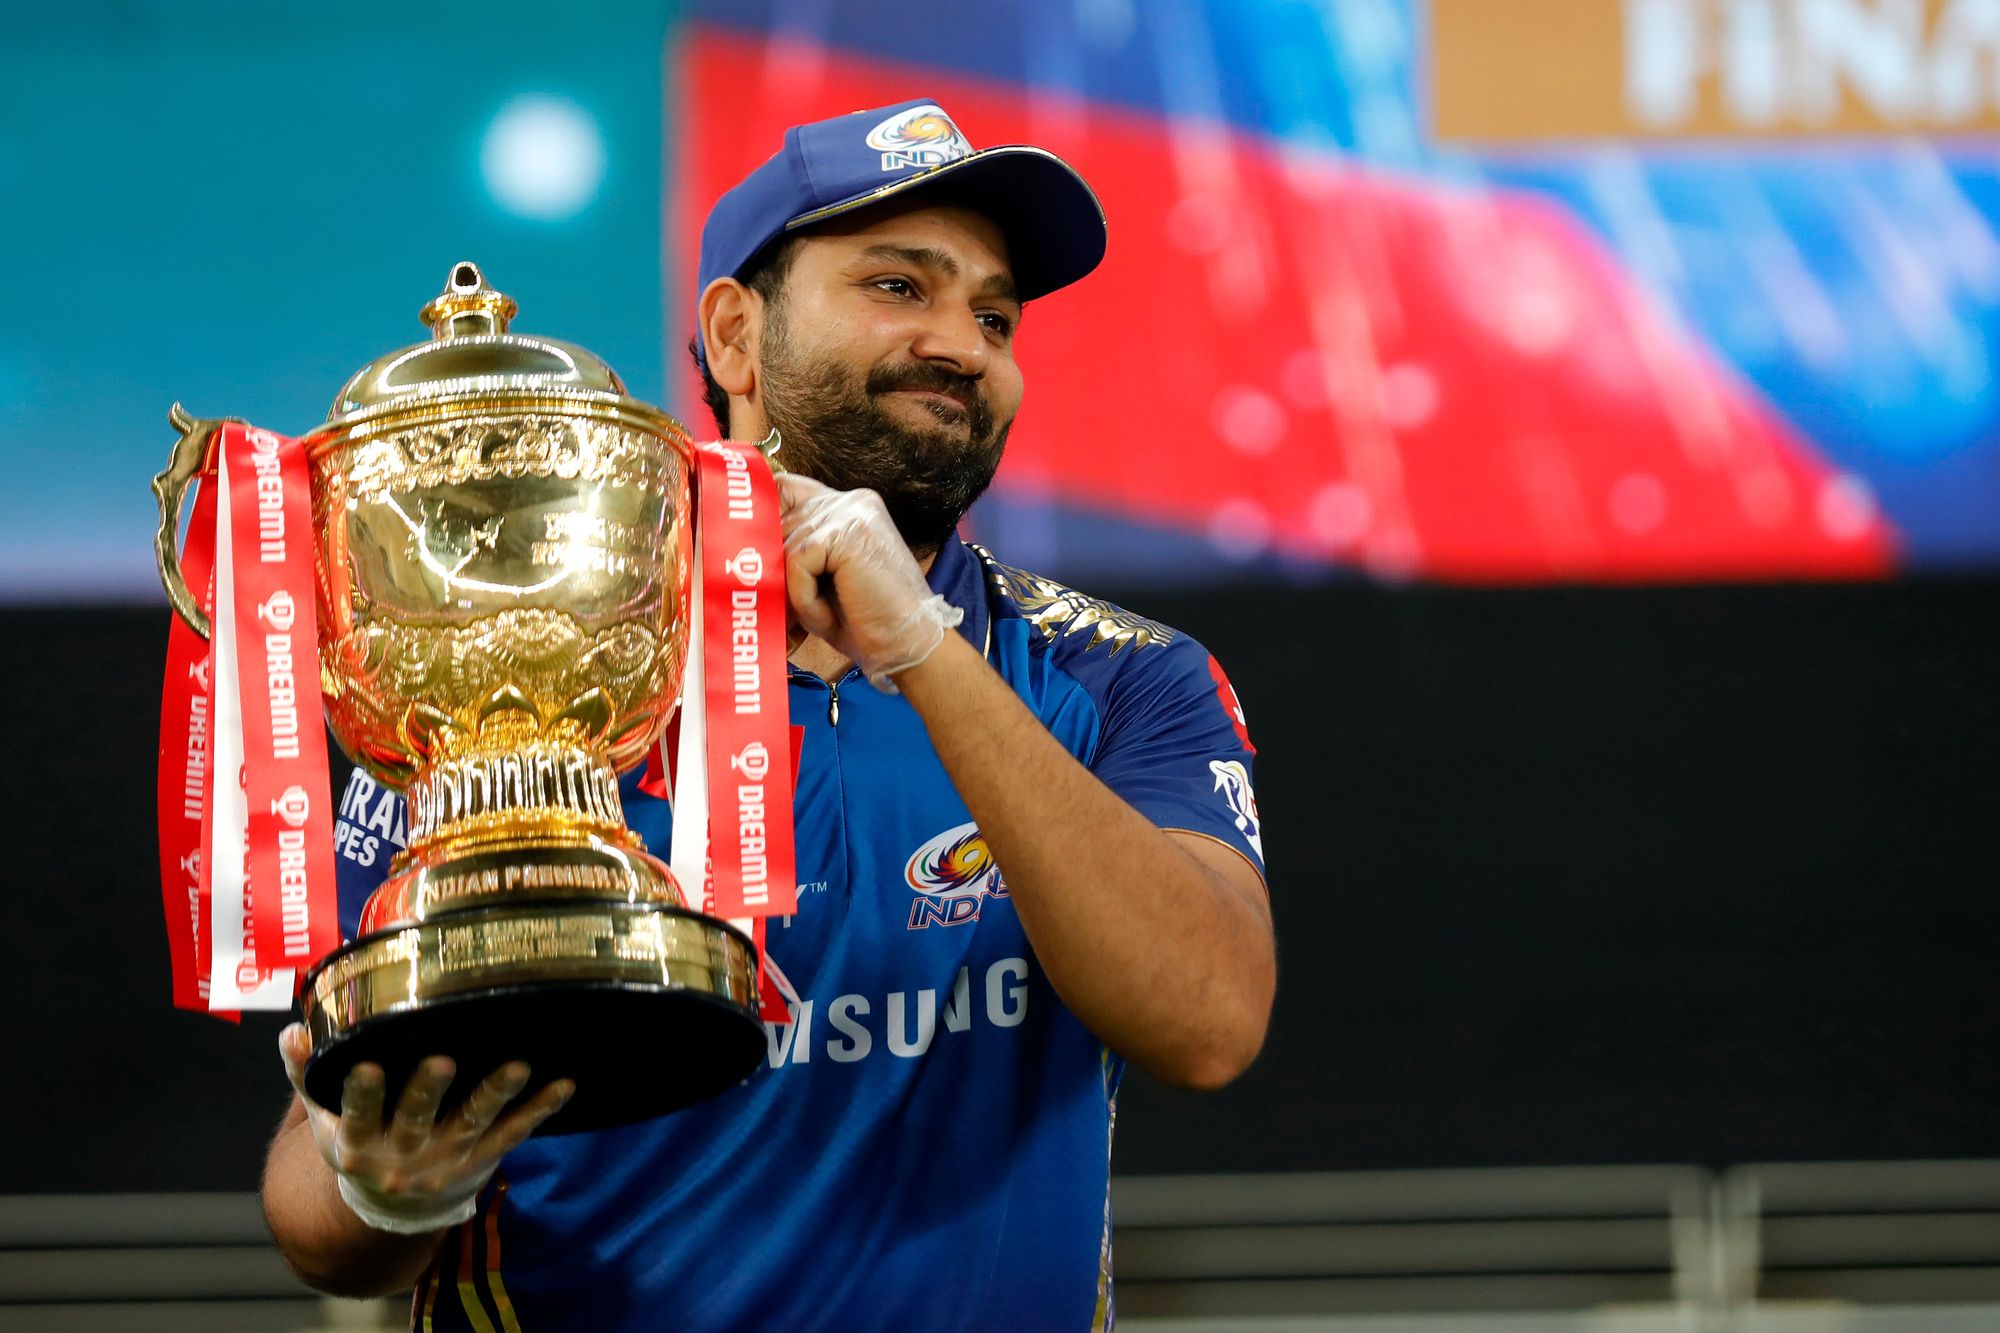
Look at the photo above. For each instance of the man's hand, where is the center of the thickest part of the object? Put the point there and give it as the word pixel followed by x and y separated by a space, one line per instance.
pixel 414 1172
pixel 852 581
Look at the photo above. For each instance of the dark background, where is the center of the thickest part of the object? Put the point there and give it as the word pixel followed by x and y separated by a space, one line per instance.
pixel 1561 876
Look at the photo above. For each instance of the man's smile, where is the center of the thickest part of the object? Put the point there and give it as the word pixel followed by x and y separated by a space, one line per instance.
pixel 939 404
pixel 934 396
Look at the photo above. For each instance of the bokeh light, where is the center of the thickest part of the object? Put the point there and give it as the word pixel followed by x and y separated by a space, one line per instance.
pixel 543 158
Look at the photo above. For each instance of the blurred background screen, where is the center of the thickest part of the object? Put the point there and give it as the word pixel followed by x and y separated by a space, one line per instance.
pixel 1704 289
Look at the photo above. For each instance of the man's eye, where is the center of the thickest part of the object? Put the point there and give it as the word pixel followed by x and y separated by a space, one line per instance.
pixel 995 322
pixel 897 286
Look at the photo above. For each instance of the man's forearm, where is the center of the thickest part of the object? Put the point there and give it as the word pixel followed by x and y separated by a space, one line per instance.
pixel 1166 960
pixel 319 1236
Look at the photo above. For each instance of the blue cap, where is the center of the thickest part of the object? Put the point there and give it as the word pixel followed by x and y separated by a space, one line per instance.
pixel 1052 221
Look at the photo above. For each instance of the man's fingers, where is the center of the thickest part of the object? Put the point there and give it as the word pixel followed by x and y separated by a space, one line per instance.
pixel 417 1108
pixel 818 617
pixel 795 489
pixel 361 1107
pixel 361 1095
pixel 802 588
pixel 293 1048
pixel 814 526
pixel 490 1098
pixel 519 1123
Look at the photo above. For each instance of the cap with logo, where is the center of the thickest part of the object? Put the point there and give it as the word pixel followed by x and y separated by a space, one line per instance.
pixel 1052 221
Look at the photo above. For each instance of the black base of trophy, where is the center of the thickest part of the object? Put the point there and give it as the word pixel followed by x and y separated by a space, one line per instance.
pixel 632 1054
pixel 646 1008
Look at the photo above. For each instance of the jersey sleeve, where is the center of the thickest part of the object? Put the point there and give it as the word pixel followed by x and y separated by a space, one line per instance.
pixel 1175 745
pixel 367 831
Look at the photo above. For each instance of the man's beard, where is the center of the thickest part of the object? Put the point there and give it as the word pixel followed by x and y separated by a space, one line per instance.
pixel 837 431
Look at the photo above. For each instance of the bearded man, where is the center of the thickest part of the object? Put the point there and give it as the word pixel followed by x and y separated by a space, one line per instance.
pixel 1029 855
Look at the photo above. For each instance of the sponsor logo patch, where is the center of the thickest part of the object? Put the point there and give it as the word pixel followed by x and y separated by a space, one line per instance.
pixel 293 806
pixel 278 610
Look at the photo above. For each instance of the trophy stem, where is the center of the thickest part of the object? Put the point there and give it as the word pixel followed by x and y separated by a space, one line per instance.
pixel 542 792
pixel 525 922
pixel 537 817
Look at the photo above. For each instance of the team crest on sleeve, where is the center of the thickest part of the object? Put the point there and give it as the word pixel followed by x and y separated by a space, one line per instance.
pixel 1232 779
pixel 953 874
pixel 923 136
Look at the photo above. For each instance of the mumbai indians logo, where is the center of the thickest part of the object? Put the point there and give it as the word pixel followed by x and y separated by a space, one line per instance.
pixel 1233 781
pixel 923 136
pixel 953 875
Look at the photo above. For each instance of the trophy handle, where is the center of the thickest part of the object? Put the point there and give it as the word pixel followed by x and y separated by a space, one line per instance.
pixel 190 457
pixel 769 446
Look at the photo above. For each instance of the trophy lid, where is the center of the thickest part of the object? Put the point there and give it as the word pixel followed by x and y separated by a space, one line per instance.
pixel 471 351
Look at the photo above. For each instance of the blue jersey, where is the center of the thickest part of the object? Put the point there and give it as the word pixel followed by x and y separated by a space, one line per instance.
pixel 928 1144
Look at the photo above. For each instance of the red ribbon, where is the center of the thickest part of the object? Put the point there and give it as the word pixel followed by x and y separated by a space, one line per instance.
pixel 658 780
pixel 733 840
pixel 277 827
pixel 186 768
pixel 743 612
pixel 292 892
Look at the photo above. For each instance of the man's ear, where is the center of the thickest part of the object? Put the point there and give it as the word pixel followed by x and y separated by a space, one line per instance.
pixel 732 327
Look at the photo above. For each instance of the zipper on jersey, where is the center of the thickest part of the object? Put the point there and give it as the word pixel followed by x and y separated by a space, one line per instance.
pixel 832 688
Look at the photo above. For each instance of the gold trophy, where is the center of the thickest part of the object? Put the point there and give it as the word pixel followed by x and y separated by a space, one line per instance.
pixel 502 549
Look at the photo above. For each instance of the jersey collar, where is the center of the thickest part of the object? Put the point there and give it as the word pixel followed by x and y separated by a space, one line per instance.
pixel 959 574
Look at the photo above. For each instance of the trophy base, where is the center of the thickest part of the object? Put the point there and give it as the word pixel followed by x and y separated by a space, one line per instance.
pixel 648 1008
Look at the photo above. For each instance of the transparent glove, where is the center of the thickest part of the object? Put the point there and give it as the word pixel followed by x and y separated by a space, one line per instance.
pixel 417 1171
pixel 854 583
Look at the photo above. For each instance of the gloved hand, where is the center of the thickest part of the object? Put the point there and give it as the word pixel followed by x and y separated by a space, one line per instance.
pixel 878 611
pixel 415 1172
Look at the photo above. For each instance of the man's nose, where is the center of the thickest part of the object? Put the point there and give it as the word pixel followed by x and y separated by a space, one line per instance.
pixel 953 338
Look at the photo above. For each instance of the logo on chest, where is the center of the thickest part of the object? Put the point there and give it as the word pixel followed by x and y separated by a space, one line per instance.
pixel 953 874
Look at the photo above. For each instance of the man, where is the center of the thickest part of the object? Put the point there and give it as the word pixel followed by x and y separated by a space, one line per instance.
pixel 1029 855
